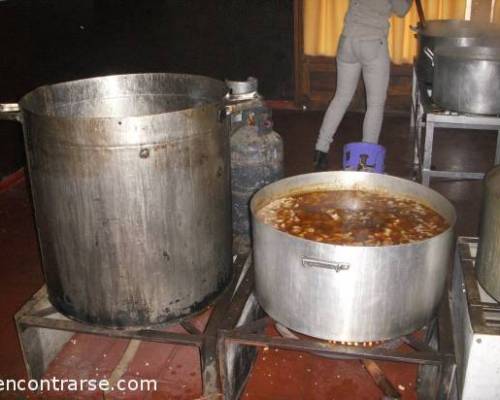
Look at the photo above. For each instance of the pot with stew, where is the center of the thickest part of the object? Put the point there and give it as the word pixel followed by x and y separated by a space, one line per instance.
pixel 351 256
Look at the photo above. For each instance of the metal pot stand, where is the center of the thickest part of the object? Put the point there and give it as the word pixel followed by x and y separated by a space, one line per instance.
pixel 234 333
pixel 43 331
pixel 424 113
pixel 238 349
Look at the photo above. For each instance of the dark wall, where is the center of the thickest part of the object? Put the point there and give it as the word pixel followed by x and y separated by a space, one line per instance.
pixel 56 40
pixel 220 38
pixel 15 80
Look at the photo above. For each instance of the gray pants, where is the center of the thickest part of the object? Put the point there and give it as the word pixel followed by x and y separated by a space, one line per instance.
pixel 370 56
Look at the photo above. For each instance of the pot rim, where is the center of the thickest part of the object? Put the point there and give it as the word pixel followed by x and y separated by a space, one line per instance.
pixel 451 221
pixel 444 28
pixel 215 101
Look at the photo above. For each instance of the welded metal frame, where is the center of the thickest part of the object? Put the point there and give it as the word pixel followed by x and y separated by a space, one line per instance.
pixel 43 331
pixel 476 307
pixel 237 351
pixel 476 323
pixel 425 114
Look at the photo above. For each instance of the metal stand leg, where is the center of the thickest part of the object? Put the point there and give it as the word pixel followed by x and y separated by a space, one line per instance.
pixel 426 164
pixel 447 382
pixel 417 111
pixel 225 316
pixel 414 90
pixel 418 134
pixel 420 125
pixel 497 151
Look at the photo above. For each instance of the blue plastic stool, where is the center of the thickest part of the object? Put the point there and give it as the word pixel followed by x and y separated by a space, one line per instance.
pixel 361 156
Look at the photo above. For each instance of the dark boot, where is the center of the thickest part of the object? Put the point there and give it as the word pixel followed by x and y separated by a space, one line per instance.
pixel 320 161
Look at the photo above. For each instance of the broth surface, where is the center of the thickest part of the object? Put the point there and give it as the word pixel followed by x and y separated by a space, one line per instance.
pixel 353 217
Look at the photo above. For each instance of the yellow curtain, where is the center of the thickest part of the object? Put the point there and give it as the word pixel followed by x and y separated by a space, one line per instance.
pixel 496 15
pixel 324 20
pixel 323 24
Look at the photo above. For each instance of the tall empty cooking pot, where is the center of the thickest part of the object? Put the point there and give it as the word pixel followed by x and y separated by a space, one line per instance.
pixel 350 293
pixel 450 32
pixel 488 256
pixel 467 79
pixel 131 189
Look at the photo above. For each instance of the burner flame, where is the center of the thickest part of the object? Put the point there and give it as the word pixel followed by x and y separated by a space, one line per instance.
pixel 356 344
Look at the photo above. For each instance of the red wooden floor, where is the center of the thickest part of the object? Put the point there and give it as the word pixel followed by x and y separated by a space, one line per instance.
pixel 176 369
pixel 277 374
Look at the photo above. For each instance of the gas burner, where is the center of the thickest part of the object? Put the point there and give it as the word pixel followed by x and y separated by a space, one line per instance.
pixel 371 367
pixel 291 334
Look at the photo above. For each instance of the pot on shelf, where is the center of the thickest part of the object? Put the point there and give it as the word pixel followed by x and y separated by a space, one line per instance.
pixel 450 33
pixel 467 79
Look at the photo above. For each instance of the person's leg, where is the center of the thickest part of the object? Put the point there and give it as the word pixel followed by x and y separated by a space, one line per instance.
pixel 376 74
pixel 347 82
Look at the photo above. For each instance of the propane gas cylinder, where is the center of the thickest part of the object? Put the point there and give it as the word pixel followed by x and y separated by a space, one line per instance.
pixel 256 160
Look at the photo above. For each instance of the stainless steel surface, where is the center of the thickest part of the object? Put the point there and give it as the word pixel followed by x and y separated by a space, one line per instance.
pixel 424 110
pixel 450 32
pixel 364 293
pixel 476 328
pixel 488 259
pixel 131 187
pixel 467 79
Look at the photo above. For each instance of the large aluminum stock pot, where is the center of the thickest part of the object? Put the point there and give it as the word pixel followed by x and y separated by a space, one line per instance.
pixel 131 189
pixel 350 293
pixel 488 253
pixel 467 79
pixel 457 33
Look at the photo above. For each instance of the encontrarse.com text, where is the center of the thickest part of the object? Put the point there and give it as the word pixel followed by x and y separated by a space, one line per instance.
pixel 76 385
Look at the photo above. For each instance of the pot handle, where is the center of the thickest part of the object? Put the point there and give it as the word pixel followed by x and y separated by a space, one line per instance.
pixel 10 111
pixel 332 265
pixel 430 54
